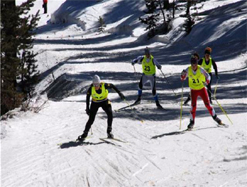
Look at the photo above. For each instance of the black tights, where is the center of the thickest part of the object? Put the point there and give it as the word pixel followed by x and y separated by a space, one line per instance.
pixel 106 106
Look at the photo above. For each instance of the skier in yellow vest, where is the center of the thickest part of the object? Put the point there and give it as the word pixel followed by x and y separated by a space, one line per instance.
pixel 196 55
pixel 207 62
pixel 197 77
pixel 99 93
pixel 149 64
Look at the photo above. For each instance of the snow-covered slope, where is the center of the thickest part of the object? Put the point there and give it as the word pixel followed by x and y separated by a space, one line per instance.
pixel 38 148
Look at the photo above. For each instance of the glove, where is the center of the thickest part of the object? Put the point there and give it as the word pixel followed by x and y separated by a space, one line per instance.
pixel 133 63
pixel 206 83
pixel 183 75
pixel 121 96
pixel 87 111
pixel 159 66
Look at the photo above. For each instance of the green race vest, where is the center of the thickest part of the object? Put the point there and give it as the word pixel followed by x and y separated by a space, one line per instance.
pixel 208 67
pixel 148 68
pixel 98 97
pixel 195 81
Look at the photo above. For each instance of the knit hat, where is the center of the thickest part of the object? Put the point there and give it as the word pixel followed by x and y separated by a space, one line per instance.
pixel 208 50
pixel 96 79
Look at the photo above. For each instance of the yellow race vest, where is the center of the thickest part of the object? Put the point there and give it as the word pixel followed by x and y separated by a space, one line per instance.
pixel 196 81
pixel 102 96
pixel 148 68
pixel 208 67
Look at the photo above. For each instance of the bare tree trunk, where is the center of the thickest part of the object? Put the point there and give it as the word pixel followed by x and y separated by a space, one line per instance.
pixel 162 11
pixel 173 8
pixel 189 2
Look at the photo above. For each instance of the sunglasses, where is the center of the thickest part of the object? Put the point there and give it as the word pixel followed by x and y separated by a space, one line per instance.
pixel 96 85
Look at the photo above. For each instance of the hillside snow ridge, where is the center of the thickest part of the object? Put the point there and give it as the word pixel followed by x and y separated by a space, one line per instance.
pixel 38 147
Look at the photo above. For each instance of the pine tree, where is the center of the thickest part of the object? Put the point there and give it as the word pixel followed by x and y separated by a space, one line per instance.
pixel 16 37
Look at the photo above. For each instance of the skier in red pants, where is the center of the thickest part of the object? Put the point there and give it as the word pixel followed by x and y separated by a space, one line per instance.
pixel 197 77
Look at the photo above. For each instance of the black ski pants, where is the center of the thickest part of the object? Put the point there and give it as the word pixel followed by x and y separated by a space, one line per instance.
pixel 106 106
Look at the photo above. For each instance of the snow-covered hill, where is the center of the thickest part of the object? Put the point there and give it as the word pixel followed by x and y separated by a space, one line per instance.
pixel 38 148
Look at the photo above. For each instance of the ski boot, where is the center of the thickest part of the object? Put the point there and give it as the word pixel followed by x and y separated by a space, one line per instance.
pixel 218 120
pixel 110 135
pixel 191 125
pixel 82 137
pixel 138 101
pixel 158 105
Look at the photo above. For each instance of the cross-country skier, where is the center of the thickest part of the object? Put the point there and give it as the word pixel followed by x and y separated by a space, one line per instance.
pixel 207 62
pixel 99 92
pixel 149 64
pixel 197 77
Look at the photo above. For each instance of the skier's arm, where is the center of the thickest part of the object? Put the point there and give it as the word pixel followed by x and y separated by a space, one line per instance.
pixel 215 68
pixel 200 62
pixel 112 86
pixel 137 60
pixel 157 63
pixel 203 71
pixel 88 97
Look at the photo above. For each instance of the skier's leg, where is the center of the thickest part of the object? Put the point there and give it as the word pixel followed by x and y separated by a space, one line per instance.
pixel 140 90
pixel 187 100
pixel 93 111
pixel 194 95
pixel 155 95
pixel 205 98
pixel 106 106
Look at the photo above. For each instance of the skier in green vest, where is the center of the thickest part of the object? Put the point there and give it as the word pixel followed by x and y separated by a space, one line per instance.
pixel 149 64
pixel 207 62
pixel 99 93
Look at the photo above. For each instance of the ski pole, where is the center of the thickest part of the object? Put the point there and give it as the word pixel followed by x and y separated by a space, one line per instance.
pixel 127 103
pixel 134 68
pixel 216 88
pixel 167 81
pixel 181 110
pixel 223 110
pixel 135 74
pixel 221 107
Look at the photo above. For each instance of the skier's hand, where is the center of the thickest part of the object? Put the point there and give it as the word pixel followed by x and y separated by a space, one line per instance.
pixel 159 66
pixel 183 75
pixel 87 111
pixel 122 96
pixel 206 83
pixel 133 63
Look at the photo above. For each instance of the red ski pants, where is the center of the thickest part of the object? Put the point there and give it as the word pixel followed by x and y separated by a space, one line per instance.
pixel 204 95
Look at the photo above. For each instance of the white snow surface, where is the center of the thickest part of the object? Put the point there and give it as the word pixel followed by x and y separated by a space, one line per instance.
pixel 38 147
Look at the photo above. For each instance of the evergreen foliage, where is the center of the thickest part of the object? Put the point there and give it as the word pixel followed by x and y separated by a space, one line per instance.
pixel 102 24
pixel 18 65
pixel 152 19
